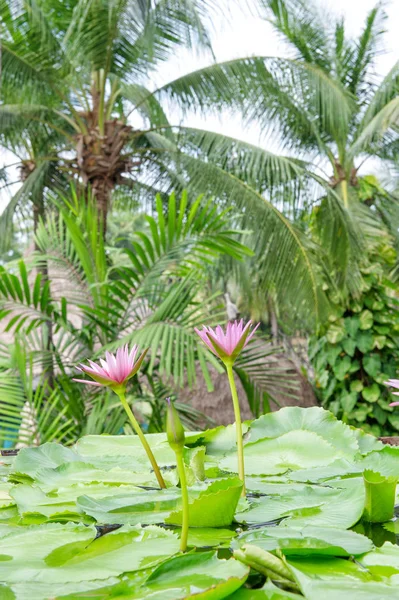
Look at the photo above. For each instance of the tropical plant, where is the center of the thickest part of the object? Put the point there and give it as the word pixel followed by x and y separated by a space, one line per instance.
pixel 83 69
pixel 329 111
pixel 80 66
pixel 152 291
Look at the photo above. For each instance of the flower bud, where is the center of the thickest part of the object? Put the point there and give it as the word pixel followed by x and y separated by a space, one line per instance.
pixel 174 428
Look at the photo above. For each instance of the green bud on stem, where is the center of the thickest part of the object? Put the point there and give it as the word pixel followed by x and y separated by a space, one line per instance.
pixel 174 428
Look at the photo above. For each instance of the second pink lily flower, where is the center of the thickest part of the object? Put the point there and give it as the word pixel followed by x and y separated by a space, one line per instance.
pixel 227 345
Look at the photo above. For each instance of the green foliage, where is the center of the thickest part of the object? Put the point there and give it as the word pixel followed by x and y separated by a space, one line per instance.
pixel 72 519
pixel 152 291
pixel 356 353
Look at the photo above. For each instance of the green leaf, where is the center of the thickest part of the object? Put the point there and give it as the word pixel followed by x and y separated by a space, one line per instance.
pixel 335 332
pixel 349 345
pixel 355 366
pixel 380 497
pixel 267 592
pixel 371 393
pixel 313 419
pixel 218 441
pixel 330 578
pixel 382 329
pixel 366 319
pixel 364 341
pixel 385 462
pixel 342 367
pixel 352 325
pixel 30 460
pixel 214 507
pixel 356 385
pixel 348 401
pixel 70 553
pixel 338 505
pixel 206 537
pixel 372 364
pixel 380 341
pixel 361 413
pixel 192 574
pixel 292 450
pixel 374 303
pixel 332 353
pixel 308 540
pixel 146 507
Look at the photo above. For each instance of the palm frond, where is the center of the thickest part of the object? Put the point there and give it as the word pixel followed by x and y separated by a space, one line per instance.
pixel 297 98
pixel 301 24
pixel 367 48
pixel 31 412
pixel 386 91
pixel 374 132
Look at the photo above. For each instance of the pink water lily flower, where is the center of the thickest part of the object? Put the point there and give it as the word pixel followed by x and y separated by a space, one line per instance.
pixel 395 384
pixel 227 345
pixel 115 370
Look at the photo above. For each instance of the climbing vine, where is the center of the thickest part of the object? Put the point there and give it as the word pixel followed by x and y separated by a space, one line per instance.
pixel 357 351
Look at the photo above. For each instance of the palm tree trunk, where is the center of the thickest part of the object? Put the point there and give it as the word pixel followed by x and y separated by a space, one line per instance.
pixel 47 327
pixel 272 319
pixel 101 162
pixel 102 191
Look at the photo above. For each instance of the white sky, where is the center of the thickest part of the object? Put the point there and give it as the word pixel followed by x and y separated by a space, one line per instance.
pixel 245 35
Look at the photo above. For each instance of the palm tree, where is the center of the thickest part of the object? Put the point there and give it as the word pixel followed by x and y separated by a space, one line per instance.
pixel 330 113
pixel 336 138
pixel 82 68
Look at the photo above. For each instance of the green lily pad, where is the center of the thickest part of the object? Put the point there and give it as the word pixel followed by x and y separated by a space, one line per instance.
pixel 116 445
pixel 338 505
pixel 292 450
pixel 62 504
pixel 339 468
pixel 186 576
pixel 385 462
pixel 267 592
pixel 146 507
pixel 70 553
pixel 218 441
pixel 338 578
pixel 30 460
pixel 79 472
pixel 314 419
pixel 214 507
pixel 73 591
pixel 194 575
pixel 306 541
pixel 210 536
pixel 5 499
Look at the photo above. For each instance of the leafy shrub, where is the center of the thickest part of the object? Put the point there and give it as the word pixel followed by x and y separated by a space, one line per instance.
pixel 358 350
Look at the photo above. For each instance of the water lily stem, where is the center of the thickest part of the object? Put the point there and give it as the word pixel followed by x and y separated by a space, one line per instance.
pixel 141 435
pixel 237 415
pixel 184 496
